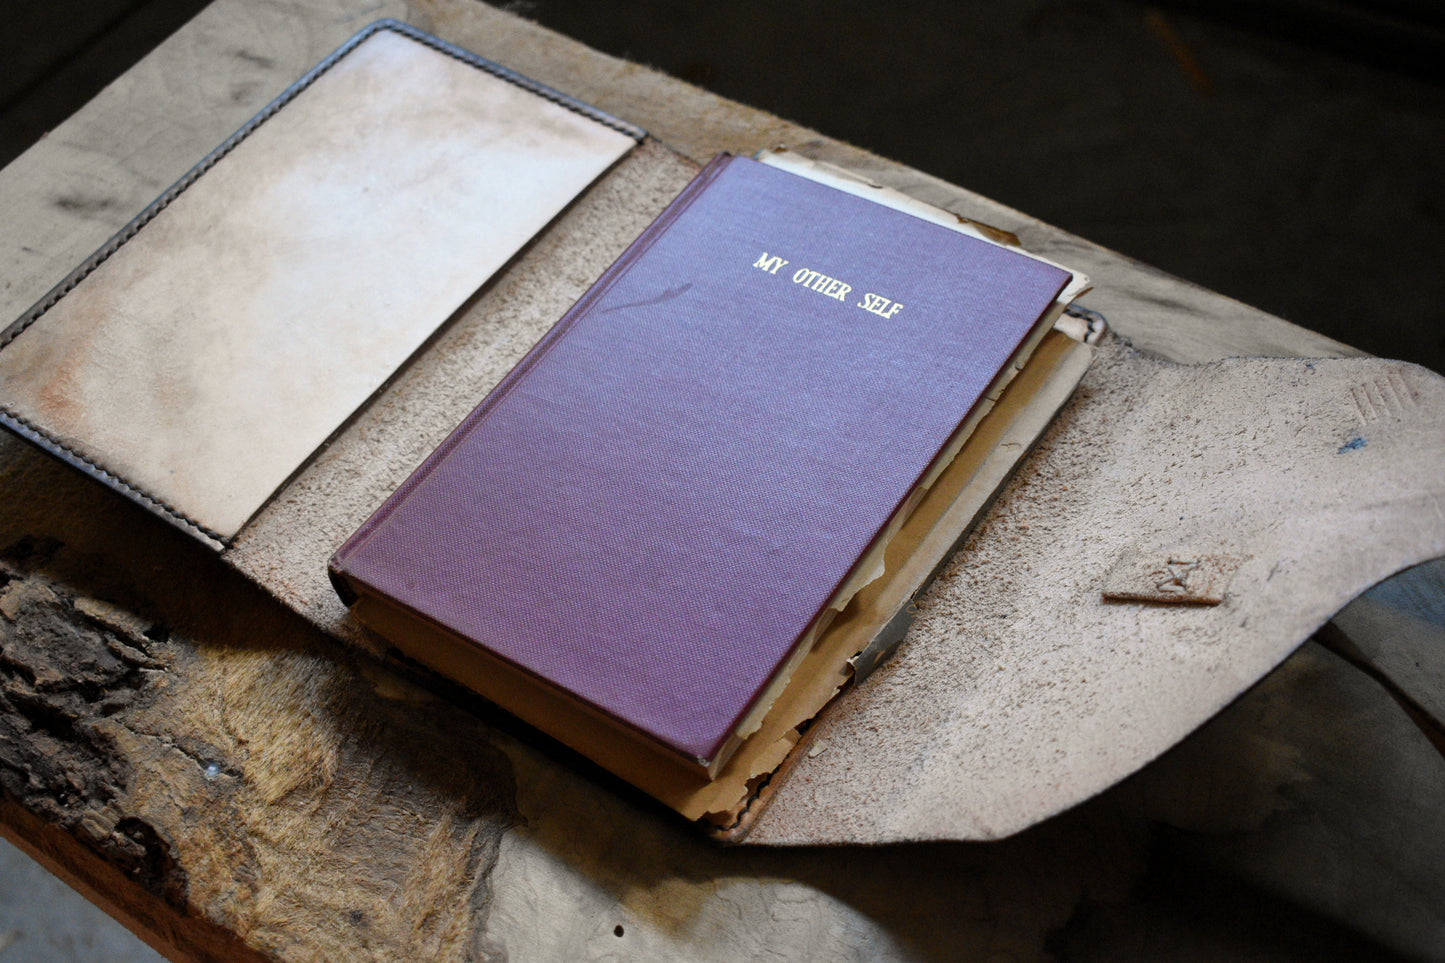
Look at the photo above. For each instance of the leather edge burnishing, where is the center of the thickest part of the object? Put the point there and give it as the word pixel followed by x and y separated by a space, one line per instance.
pixel 59 449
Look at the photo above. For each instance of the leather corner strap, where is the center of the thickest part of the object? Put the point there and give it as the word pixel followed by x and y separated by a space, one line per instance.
pixel 1176 534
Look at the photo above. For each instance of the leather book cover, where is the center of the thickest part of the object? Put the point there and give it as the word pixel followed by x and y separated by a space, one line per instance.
pixel 652 509
pixel 199 358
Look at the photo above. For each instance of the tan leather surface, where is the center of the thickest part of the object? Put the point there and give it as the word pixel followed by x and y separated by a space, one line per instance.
pixel 209 356
pixel 1021 691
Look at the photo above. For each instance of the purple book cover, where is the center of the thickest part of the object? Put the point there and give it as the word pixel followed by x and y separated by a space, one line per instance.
pixel 653 507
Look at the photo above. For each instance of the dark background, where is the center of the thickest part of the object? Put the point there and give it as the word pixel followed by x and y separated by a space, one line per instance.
pixel 1289 153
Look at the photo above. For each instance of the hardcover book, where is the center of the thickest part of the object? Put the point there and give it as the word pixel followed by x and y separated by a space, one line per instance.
pixel 657 514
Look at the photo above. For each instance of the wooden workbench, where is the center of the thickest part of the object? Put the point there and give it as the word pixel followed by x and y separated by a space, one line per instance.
pixel 232 785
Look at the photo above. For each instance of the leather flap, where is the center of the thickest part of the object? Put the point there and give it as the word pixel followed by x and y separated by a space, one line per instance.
pixel 203 355
pixel 1021 690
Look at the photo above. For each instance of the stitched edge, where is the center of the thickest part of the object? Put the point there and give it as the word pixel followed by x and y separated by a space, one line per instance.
pixel 28 429
pixel 53 296
pixel 511 76
pixel 171 193
pixel 34 433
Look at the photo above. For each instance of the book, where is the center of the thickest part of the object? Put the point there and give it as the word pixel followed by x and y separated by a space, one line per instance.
pixel 203 355
pixel 644 529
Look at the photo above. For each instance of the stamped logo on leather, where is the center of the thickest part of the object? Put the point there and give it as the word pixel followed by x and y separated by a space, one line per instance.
pixel 1177 577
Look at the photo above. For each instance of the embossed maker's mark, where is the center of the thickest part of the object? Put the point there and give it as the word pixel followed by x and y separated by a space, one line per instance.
pixel 1173 578
pixel 1389 394
pixel 1178 578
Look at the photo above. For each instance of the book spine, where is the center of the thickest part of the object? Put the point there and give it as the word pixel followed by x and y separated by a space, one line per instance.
pixel 340 579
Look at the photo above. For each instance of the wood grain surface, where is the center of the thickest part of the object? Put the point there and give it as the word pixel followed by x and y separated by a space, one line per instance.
pixel 231 784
